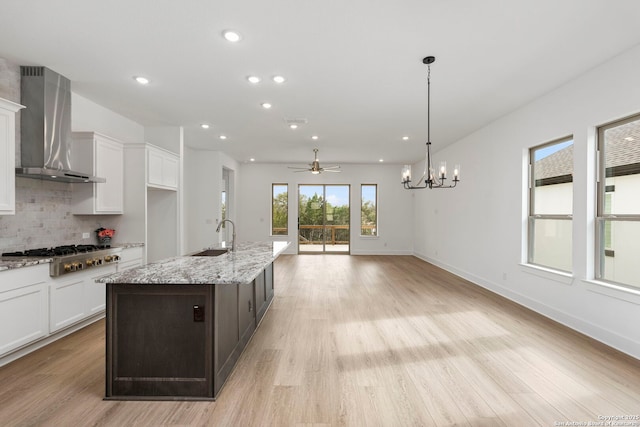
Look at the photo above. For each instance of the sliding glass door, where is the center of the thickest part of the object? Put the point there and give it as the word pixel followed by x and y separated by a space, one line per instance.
pixel 323 219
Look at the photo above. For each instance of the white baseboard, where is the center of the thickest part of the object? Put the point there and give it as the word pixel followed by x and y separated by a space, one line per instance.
pixel 30 348
pixel 606 336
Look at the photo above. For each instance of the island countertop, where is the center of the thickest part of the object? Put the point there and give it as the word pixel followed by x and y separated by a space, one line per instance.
pixel 239 267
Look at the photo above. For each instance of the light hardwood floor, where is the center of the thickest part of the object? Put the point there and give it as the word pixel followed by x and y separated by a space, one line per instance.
pixel 359 341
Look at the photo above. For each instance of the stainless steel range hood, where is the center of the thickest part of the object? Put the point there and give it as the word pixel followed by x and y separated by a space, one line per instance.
pixel 45 126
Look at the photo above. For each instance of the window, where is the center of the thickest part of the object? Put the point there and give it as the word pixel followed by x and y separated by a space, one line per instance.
pixel 369 210
pixel 279 210
pixel 618 216
pixel 551 204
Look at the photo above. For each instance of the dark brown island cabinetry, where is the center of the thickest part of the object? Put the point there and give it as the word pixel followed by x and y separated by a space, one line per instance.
pixel 179 341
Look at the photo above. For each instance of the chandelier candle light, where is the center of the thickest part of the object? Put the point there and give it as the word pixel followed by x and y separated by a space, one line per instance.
pixel 430 179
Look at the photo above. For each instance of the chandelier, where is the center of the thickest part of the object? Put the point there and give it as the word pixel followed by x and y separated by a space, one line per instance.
pixel 430 179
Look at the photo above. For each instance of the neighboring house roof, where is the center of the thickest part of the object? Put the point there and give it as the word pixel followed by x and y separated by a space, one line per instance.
pixel 623 153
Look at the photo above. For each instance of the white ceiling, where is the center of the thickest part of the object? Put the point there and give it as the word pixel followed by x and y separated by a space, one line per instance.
pixel 353 67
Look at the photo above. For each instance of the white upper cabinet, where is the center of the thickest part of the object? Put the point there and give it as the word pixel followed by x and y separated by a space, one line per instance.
pixel 8 111
pixel 162 168
pixel 101 156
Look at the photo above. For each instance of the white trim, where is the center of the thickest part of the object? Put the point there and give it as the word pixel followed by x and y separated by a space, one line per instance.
pixel 612 290
pixel 548 273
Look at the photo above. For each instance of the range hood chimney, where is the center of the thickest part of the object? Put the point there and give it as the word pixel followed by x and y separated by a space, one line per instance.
pixel 45 126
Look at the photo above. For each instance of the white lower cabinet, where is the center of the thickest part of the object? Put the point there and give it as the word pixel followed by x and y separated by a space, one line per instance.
pixel 24 310
pixel 36 308
pixel 130 258
pixel 66 301
pixel 95 294
pixel 76 296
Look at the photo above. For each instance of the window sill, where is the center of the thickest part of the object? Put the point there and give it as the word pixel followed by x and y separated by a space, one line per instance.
pixel 548 273
pixel 369 237
pixel 616 291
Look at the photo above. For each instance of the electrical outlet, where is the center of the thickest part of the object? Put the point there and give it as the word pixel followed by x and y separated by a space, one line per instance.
pixel 85 235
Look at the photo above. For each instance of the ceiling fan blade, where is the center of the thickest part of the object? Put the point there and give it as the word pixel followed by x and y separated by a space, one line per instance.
pixel 304 170
pixel 331 170
pixel 296 167
pixel 331 167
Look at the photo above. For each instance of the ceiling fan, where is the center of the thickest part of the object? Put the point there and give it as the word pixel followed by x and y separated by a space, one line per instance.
pixel 315 166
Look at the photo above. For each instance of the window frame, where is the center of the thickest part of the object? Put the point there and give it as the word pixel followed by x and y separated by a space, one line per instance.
pixel 369 236
pixel 532 216
pixel 601 252
pixel 273 186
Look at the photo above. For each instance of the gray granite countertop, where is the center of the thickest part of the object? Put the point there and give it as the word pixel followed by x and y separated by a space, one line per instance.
pixel 238 267
pixel 10 263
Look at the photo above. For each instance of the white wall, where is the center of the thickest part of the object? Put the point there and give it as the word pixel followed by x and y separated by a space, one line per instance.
pixel 86 115
pixel 394 204
pixel 202 192
pixel 167 137
pixel 478 229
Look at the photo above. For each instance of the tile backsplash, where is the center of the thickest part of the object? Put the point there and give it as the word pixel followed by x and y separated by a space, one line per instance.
pixel 44 218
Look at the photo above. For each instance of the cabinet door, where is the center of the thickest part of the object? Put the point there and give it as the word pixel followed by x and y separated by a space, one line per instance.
pixel 101 156
pixel 260 297
pixel 7 156
pixel 155 344
pixel 225 333
pixel 67 301
pixel 268 282
pixel 170 171
pixel 130 258
pixel 154 167
pixel 109 164
pixel 95 293
pixel 162 169
pixel 23 314
pixel 246 312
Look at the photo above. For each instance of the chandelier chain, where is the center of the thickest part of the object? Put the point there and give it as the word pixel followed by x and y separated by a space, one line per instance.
pixel 430 178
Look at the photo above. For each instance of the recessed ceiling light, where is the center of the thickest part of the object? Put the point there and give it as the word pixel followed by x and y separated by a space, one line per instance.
pixel 405 138
pixel 142 80
pixel 279 79
pixel 293 126
pixel 314 137
pixel 231 36
pixel 629 138
pixel 252 159
pixel 204 126
pixel 381 160
pixel 254 79
pixel 223 137
pixel 266 105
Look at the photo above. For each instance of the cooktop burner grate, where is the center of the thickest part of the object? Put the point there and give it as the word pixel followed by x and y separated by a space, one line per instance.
pixel 57 251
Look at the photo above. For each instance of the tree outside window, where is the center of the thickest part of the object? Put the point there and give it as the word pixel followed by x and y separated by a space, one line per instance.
pixel 279 210
pixel 369 210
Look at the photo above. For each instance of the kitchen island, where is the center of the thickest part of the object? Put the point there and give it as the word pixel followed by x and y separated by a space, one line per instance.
pixel 176 327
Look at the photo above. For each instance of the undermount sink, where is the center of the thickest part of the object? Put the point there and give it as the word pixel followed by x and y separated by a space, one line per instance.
pixel 211 252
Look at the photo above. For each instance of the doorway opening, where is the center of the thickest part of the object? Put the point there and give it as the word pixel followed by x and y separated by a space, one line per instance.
pixel 323 218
